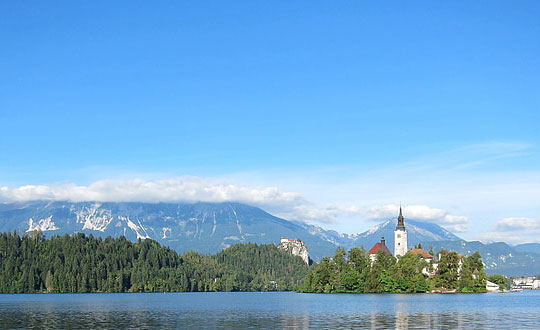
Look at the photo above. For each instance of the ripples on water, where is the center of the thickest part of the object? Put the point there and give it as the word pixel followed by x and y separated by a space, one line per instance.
pixel 270 311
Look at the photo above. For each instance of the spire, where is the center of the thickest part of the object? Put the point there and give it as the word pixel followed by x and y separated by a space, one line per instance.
pixel 400 220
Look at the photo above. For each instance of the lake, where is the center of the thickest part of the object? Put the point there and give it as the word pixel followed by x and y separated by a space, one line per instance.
pixel 271 310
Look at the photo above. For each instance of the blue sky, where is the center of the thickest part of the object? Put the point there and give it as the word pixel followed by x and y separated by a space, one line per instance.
pixel 350 106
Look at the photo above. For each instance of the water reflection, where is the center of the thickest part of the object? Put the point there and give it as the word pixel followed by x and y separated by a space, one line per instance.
pixel 144 320
pixel 268 311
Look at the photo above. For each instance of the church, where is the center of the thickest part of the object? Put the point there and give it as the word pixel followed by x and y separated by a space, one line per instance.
pixel 400 246
pixel 400 240
pixel 400 236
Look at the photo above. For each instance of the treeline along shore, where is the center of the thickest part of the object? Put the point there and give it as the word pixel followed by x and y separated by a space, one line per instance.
pixel 79 264
pixel 356 272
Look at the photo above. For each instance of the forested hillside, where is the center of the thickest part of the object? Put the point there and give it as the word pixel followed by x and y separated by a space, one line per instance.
pixel 80 263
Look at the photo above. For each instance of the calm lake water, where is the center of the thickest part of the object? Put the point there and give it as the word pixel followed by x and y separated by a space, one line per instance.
pixel 276 310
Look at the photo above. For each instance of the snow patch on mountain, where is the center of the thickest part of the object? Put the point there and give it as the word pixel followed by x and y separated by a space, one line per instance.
pixel 42 225
pixel 94 218
pixel 139 230
pixel 214 227
pixel 165 231
pixel 237 222
pixel 376 228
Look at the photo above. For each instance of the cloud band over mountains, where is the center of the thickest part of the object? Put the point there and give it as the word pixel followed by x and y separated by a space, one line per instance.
pixel 290 205
pixel 184 189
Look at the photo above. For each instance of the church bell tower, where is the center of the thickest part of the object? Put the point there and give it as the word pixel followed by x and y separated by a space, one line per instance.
pixel 400 236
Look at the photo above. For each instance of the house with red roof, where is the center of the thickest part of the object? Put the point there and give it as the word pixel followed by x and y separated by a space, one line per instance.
pixel 378 247
pixel 421 252
pixel 427 257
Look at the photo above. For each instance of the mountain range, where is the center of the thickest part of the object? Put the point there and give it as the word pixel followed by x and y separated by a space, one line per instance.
pixel 210 227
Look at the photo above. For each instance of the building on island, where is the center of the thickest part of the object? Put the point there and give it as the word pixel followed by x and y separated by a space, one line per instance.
pixel 400 241
pixel 422 253
pixel 379 247
pixel 401 248
pixel 400 236
pixel 492 287
pixel 296 247
pixel 427 257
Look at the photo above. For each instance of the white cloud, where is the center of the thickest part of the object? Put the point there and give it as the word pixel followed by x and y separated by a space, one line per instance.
pixel 327 214
pixel 514 230
pixel 420 212
pixel 458 228
pixel 183 189
pixel 290 205
pixel 518 223
pixel 188 189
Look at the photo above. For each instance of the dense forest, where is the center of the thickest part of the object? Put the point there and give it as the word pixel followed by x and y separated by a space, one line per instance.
pixel 353 272
pixel 81 263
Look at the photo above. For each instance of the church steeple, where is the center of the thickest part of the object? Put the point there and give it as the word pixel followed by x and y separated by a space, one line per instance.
pixel 400 236
pixel 400 220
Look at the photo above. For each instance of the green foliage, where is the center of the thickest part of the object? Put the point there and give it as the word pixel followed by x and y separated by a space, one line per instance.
pixel 447 277
pixel 82 263
pixel 412 279
pixel 501 281
pixel 258 266
pixel 472 277
pixel 355 273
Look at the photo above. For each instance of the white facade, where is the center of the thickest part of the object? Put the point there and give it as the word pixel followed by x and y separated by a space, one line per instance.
pixel 400 242
pixel 400 236
pixel 526 283
pixel 492 287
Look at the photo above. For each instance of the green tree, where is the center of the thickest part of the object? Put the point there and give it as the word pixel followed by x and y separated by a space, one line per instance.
pixel 472 276
pixel 500 280
pixel 448 270
pixel 412 278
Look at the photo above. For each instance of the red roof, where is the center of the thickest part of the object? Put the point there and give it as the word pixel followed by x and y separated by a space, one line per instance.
pixel 379 247
pixel 421 252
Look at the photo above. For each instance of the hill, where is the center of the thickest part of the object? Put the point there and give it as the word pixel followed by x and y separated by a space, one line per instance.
pixel 528 247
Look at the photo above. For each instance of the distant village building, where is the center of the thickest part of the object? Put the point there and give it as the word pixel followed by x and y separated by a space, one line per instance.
pixel 296 247
pixel 379 247
pixel 400 237
pixel 526 283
